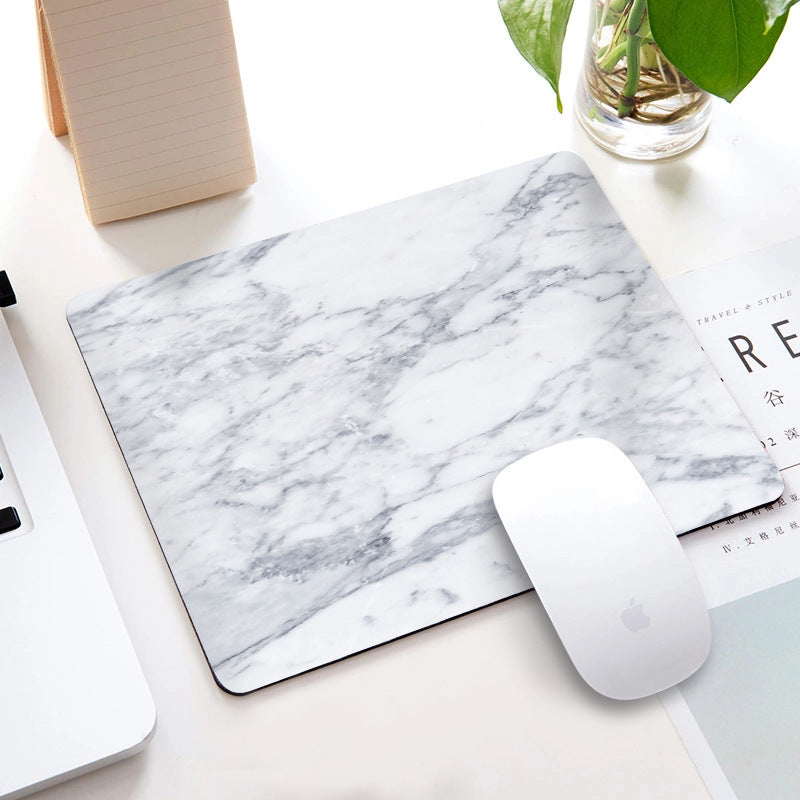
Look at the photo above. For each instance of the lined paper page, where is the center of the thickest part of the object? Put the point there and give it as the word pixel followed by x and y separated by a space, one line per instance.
pixel 153 101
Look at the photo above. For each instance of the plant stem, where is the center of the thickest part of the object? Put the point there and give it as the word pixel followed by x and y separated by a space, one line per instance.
pixel 619 27
pixel 627 100
pixel 610 60
pixel 636 16
pixel 631 24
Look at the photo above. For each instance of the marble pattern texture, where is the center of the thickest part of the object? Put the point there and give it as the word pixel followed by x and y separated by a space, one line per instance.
pixel 314 421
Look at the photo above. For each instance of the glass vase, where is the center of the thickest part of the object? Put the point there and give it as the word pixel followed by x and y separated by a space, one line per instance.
pixel 631 100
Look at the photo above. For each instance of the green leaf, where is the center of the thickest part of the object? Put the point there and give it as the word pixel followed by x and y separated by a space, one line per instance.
pixel 720 45
pixel 537 28
pixel 774 9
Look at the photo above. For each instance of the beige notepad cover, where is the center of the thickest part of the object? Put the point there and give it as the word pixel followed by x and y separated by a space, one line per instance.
pixel 150 94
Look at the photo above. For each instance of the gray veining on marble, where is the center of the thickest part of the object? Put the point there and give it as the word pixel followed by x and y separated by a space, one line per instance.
pixel 314 421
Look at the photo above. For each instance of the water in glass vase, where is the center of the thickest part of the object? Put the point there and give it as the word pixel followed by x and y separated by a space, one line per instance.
pixel 630 99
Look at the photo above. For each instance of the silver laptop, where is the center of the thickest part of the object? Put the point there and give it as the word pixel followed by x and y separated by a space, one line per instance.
pixel 72 694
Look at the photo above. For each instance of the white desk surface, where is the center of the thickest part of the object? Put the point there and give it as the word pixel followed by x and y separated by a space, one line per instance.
pixel 352 104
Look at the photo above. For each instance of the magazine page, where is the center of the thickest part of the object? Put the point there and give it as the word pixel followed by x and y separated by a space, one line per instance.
pixel 738 715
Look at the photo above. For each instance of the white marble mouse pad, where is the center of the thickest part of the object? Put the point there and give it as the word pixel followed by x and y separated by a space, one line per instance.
pixel 314 421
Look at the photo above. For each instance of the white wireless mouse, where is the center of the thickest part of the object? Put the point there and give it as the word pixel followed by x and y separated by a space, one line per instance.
pixel 607 565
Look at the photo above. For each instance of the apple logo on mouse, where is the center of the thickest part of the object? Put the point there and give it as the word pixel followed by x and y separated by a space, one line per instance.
pixel 633 617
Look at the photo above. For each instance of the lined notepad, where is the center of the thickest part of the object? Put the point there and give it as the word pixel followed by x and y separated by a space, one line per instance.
pixel 149 91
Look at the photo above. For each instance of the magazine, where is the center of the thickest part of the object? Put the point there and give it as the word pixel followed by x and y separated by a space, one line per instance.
pixel 739 715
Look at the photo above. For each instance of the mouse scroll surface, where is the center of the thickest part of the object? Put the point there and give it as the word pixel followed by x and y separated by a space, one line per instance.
pixel 607 566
